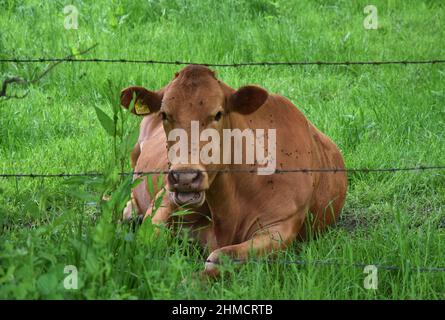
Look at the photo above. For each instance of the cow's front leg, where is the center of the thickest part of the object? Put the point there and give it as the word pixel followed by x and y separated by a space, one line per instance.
pixel 163 214
pixel 264 241
pixel 130 207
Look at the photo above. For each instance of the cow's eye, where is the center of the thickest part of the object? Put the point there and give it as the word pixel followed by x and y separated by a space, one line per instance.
pixel 163 116
pixel 218 116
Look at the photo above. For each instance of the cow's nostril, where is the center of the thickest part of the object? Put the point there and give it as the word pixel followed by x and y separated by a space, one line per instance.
pixel 173 177
pixel 196 176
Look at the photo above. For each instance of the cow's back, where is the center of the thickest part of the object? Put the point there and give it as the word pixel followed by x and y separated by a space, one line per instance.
pixel 305 146
pixel 330 189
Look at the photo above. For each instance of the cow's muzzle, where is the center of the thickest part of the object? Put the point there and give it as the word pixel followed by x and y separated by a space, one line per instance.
pixel 186 187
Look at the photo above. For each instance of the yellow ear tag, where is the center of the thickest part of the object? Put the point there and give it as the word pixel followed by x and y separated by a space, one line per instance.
pixel 141 108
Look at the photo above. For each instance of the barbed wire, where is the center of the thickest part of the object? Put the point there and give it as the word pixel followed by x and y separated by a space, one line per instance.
pixel 380 266
pixel 236 65
pixel 276 171
pixel 327 263
pixel 26 82
pixel 340 264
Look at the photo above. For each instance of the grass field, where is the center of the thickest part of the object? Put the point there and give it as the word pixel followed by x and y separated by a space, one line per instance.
pixel 384 116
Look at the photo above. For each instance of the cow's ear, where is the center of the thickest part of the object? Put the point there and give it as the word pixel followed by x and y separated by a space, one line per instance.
pixel 146 101
pixel 247 99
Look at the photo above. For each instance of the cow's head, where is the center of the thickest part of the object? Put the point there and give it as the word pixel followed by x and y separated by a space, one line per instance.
pixel 194 97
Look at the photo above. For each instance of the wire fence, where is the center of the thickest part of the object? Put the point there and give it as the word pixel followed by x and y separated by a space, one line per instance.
pixel 235 65
pixel 251 171
pixel 241 64
pixel 71 59
pixel 343 264
pixel 325 263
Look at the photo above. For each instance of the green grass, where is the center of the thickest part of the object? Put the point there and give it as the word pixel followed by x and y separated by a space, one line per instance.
pixel 379 116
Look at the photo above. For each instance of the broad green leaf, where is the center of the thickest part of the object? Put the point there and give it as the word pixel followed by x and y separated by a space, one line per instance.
pixel 136 182
pixel 150 186
pixel 105 121
pixel 158 201
pixel 129 140
pixel 133 101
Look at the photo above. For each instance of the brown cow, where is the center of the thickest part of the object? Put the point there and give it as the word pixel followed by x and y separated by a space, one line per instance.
pixel 250 212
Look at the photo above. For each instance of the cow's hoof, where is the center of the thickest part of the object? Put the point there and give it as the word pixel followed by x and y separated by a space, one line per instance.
pixel 211 270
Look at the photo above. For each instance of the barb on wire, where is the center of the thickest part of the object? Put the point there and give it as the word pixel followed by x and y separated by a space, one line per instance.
pixel 26 82
pixel 277 171
pixel 235 65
